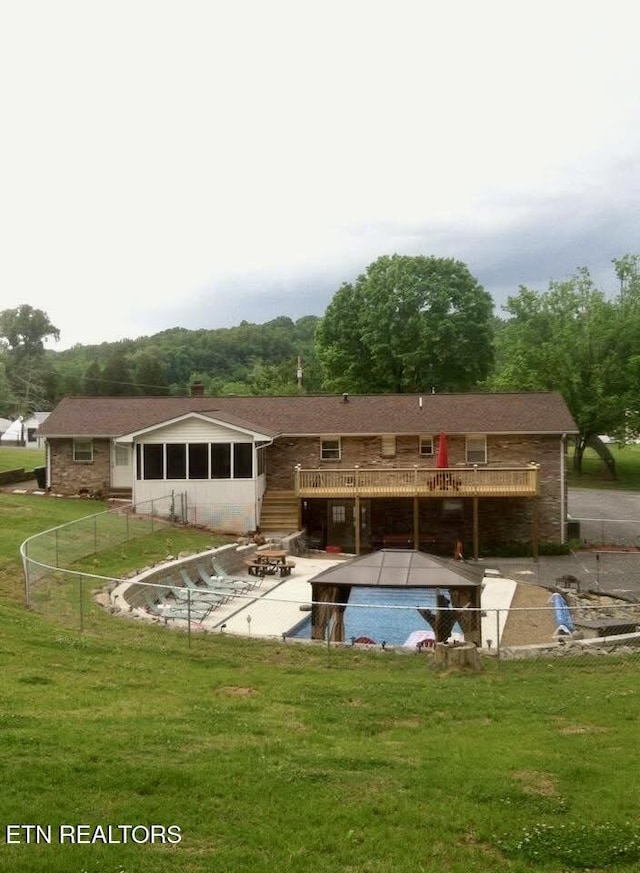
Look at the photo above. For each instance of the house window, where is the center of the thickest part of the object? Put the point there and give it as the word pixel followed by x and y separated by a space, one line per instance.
pixel 194 461
pixel 476 450
pixel 83 451
pixel 426 446
pixel 153 461
pixel 388 447
pixel 31 434
pixel 198 461
pixel 220 460
pixel 176 461
pixel 243 460
pixel 330 449
pixel 122 456
pixel 339 514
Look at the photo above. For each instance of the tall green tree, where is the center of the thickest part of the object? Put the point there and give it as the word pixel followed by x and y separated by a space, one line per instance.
pixel 117 380
pixel 407 324
pixel 29 371
pixel 150 373
pixel 565 339
pixel 24 330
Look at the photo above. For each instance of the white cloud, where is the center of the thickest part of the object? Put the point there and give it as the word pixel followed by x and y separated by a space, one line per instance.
pixel 168 162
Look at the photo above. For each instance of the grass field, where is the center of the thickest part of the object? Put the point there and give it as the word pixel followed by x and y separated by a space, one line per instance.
pixel 595 474
pixel 269 756
pixel 12 458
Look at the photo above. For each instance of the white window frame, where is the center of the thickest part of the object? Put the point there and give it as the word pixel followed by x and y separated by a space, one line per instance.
pixel 339 513
pixel 122 455
pixel 423 441
pixel 83 451
pixel 330 452
pixel 475 449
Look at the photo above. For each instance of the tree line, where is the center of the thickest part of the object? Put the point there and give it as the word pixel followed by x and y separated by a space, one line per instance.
pixel 406 324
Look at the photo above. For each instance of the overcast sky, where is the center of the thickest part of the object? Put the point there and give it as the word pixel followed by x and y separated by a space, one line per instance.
pixel 193 164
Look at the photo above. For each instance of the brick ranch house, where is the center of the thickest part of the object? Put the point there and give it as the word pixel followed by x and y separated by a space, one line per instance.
pixel 359 472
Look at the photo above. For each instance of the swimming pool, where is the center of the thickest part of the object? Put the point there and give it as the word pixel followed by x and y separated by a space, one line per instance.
pixel 366 615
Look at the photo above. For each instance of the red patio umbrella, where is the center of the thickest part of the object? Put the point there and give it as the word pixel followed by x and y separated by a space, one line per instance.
pixel 442 458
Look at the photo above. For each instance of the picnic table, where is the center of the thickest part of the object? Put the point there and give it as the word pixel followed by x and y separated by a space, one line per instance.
pixel 269 562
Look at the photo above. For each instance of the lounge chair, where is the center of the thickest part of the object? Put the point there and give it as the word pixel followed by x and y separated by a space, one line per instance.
pixel 221 573
pixel 197 597
pixel 158 605
pixel 222 580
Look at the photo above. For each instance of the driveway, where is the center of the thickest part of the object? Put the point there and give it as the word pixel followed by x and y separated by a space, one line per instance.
pixel 611 517
pixel 606 517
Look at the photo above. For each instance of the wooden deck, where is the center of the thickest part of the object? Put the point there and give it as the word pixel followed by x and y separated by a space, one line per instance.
pixel 451 482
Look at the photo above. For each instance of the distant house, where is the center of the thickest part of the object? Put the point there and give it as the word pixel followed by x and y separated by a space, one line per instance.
pixel 25 431
pixel 5 423
pixel 356 472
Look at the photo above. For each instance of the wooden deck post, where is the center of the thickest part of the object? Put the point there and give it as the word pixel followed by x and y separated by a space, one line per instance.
pixel 357 523
pixel 416 524
pixel 535 528
pixel 476 534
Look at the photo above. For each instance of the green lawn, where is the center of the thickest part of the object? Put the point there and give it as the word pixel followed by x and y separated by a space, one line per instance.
pixel 595 474
pixel 281 757
pixel 12 458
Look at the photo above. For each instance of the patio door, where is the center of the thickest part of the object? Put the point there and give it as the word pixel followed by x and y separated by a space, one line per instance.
pixel 340 524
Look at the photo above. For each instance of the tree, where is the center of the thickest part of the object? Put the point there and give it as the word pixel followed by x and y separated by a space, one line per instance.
pixel 566 339
pixel 29 372
pixel 150 373
pixel 116 376
pixel 407 324
pixel 24 330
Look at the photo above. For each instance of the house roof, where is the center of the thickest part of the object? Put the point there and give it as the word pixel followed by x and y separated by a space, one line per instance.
pixel 396 568
pixel 361 414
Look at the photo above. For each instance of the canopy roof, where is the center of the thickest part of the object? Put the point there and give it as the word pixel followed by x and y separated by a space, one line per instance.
pixel 400 568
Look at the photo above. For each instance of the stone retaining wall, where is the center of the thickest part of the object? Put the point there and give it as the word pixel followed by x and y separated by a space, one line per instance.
pixel 621 644
pixel 230 558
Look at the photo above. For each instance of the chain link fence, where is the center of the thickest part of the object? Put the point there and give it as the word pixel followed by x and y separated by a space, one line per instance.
pixel 598 615
pixel 54 589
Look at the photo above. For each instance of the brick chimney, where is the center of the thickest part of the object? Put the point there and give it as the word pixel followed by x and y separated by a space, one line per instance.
pixel 197 389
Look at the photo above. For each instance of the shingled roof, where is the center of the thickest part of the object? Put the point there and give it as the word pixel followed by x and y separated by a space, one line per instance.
pixel 504 413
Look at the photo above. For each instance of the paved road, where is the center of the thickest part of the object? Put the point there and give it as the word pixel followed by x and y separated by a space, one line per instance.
pixel 606 516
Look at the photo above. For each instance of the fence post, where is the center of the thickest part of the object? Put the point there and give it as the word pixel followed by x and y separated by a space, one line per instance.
pixel 498 634
pixel 81 604
pixel 27 580
pixel 95 534
pixel 189 616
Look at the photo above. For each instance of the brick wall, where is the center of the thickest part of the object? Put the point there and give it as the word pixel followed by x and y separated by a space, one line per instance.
pixel 71 477
pixel 500 519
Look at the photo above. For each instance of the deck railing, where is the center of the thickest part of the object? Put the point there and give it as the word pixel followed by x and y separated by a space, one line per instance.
pixel 472 481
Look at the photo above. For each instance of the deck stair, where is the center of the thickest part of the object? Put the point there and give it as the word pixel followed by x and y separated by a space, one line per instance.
pixel 279 513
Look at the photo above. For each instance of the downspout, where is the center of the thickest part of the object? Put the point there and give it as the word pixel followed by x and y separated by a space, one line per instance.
pixel 563 489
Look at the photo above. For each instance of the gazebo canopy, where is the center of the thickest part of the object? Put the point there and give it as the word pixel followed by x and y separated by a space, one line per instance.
pixel 400 568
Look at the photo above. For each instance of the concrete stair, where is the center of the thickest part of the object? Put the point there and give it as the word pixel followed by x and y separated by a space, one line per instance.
pixel 120 493
pixel 279 513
